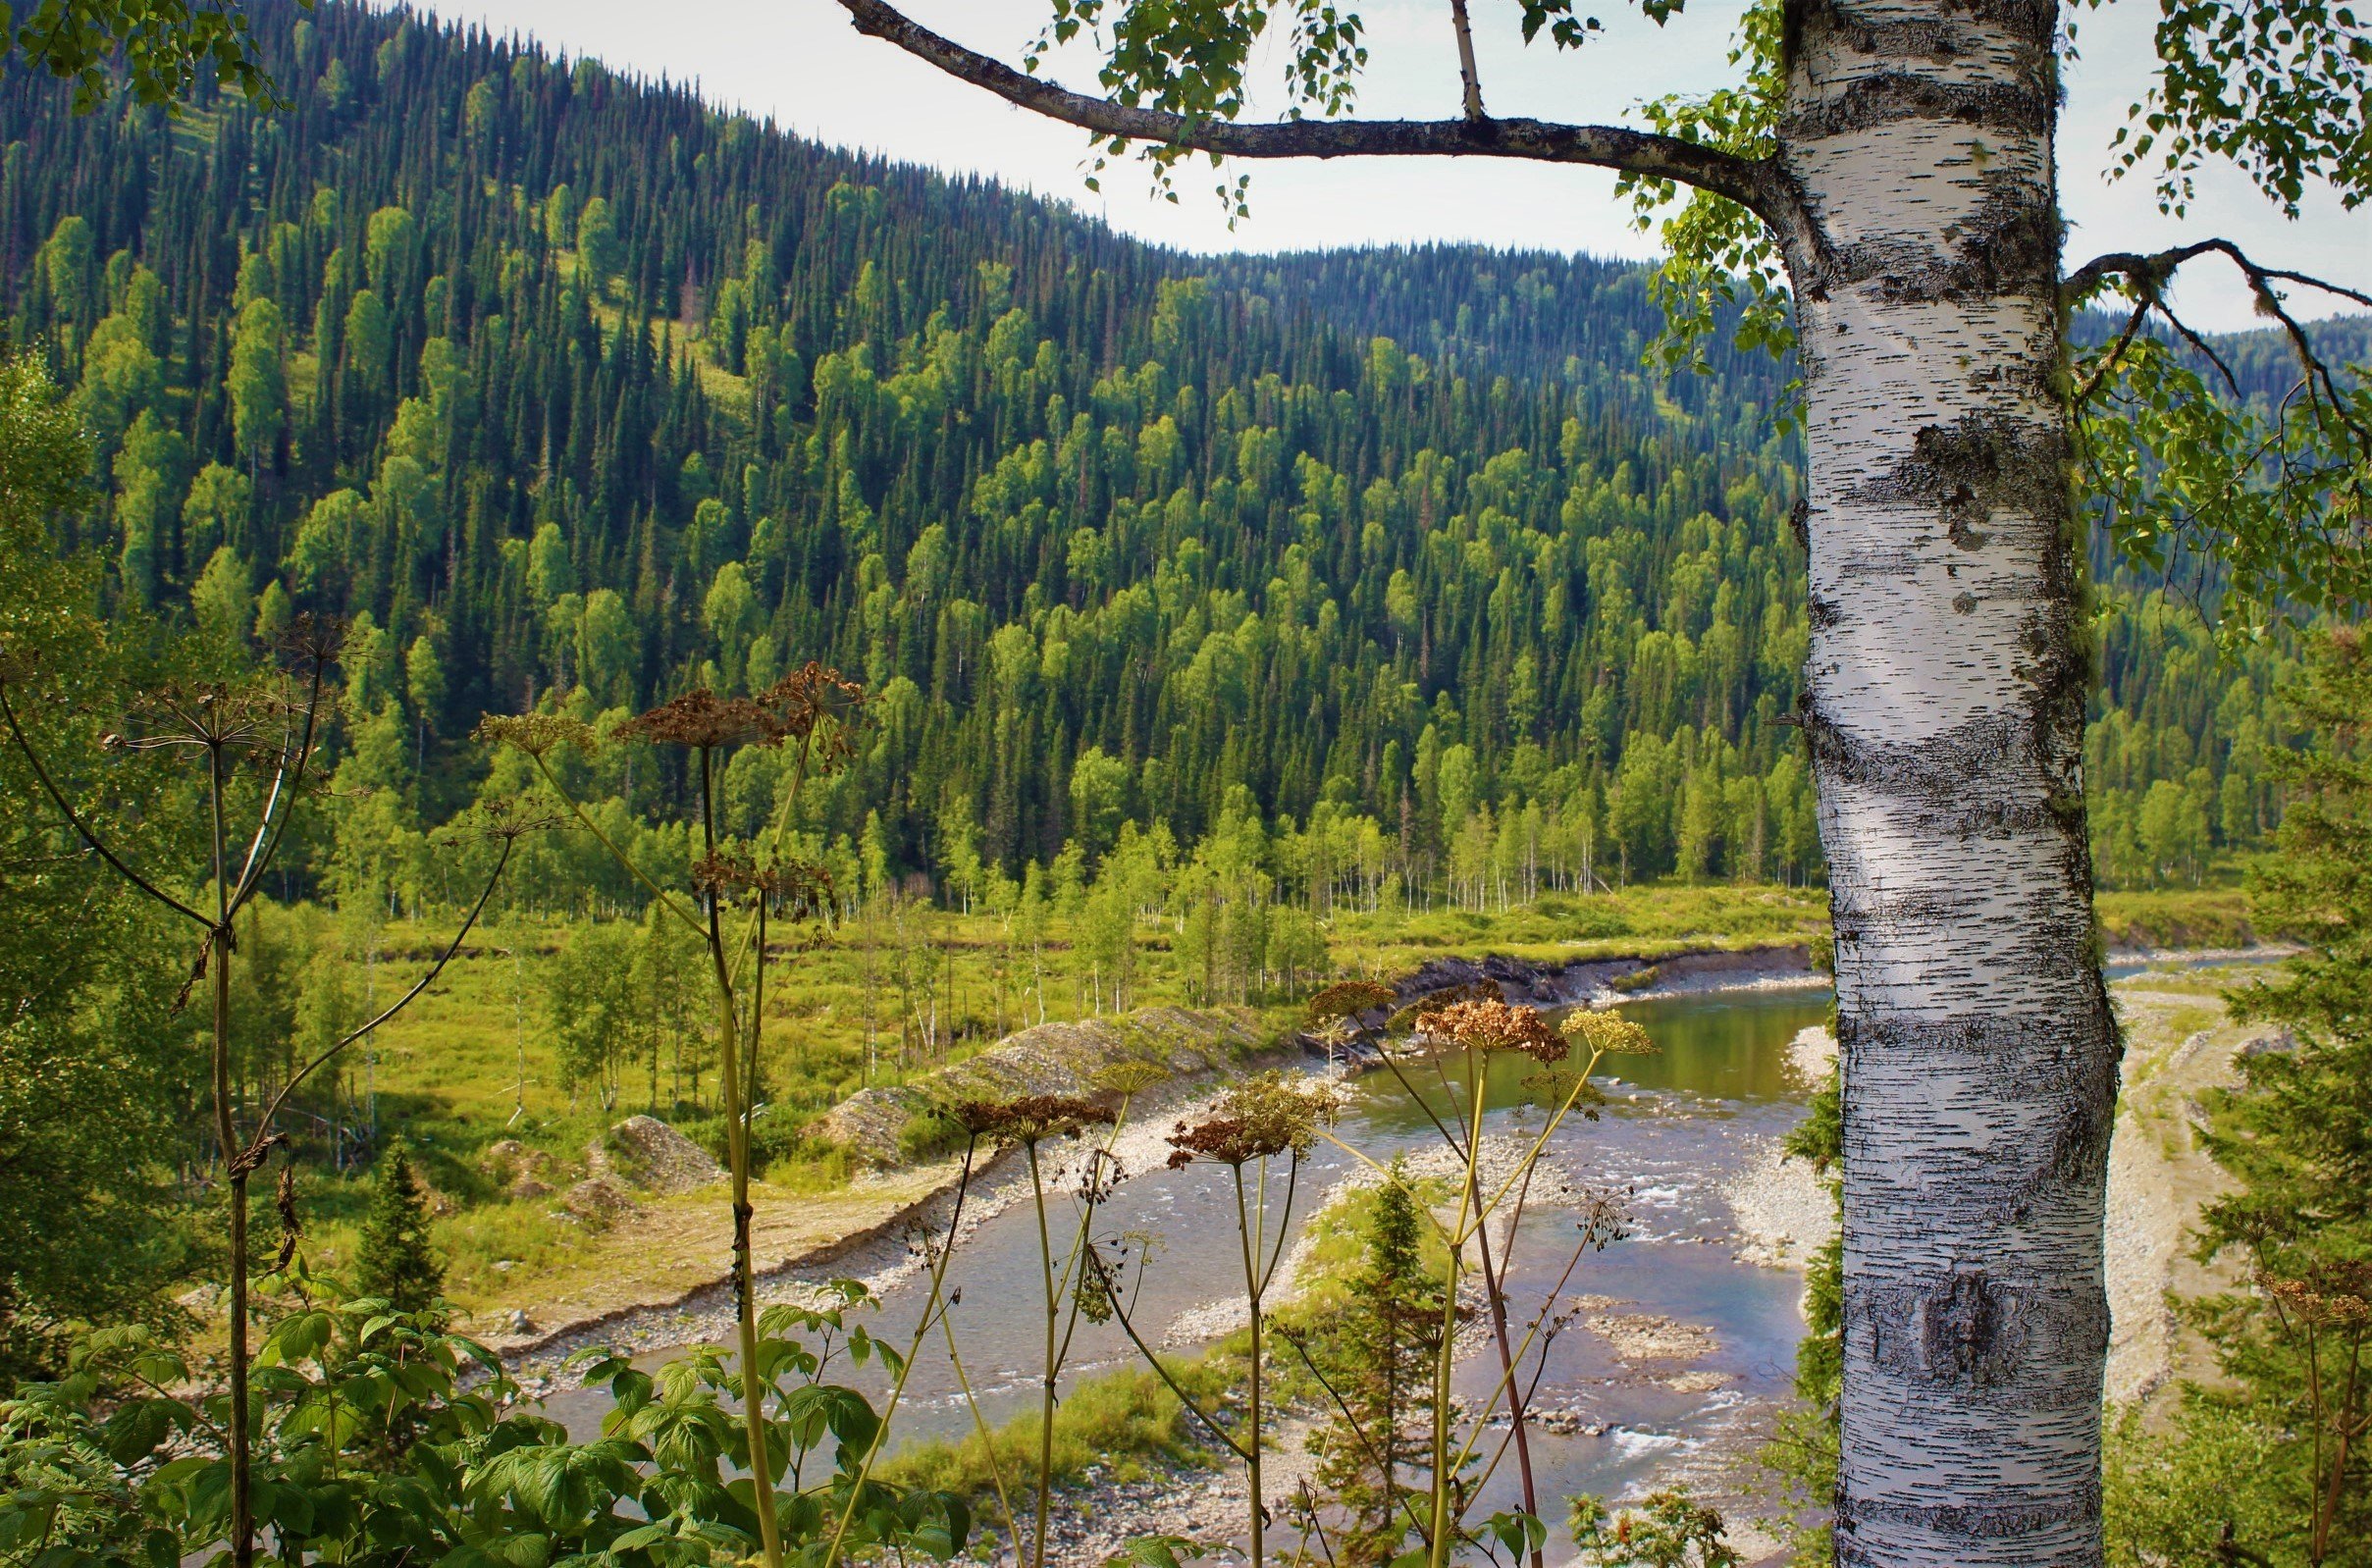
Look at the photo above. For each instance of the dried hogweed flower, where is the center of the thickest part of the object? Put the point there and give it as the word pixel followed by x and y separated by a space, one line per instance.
pixel 1494 1025
pixel 1607 1034
pixel 2326 1295
pixel 1345 998
pixel 700 718
pixel 796 883
pixel 810 702
pixel 247 719
pixel 536 734
pixel 501 817
pixel 317 640
pixel 1263 1116
pixel 1032 1119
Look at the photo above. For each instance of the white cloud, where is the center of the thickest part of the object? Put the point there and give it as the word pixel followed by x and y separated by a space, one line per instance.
pixel 798 62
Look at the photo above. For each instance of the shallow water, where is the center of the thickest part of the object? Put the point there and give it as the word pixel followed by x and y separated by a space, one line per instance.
pixel 1679 1123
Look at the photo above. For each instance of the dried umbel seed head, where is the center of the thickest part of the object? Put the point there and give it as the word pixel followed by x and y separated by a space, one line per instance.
pixel 1261 1117
pixel 1607 1035
pixel 1030 1120
pixel 211 716
pixel 314 640
pixel 1345 998
pixel 536 734
pixel 698 720
pixel 801 884
pixel 1129 1078
pixel 1495 1027
pixel 726 871
pixel 505 818
pixel 813 702
pixel 2336 1294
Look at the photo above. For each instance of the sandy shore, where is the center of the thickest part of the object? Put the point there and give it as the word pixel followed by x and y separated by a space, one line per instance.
pixel 891 1250
pixel 2179 1044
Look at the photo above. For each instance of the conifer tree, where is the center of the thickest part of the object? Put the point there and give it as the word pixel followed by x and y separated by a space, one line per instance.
pixel 394 1259
pixel 2297 1136
pixel 1382 1361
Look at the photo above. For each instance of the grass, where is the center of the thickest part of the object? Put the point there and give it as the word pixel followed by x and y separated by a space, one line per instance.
pixel 2176 917
pixel 472 1061
pixel 1123 1422
pixel 448 1072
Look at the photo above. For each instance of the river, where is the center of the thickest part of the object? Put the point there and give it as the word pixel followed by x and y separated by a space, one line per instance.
pixel 1681 1124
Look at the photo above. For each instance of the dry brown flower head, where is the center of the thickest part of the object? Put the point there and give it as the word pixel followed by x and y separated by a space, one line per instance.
pixel 813 702
pixel 250 719
pixel 699 720
pixel 2334 1294
pixel 536 734
pixel 501 819
pixel 1345 998
pixel 316 639
pixel 1494 1025
pixel 1263 1116
pixel 1032 1119
pixel 790 881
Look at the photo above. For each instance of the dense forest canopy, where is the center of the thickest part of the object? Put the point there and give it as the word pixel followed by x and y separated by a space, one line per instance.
pixel 568 388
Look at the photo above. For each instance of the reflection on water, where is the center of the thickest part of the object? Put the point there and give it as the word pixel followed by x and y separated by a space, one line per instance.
pixel 1680 1123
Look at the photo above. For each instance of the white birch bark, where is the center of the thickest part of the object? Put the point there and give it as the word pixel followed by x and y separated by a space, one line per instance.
pixel 1945 695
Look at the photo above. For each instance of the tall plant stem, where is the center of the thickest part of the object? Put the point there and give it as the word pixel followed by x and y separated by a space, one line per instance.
pixel 1251 1298
pixel 1445 1359
pixel 1045 1401
pixel 218 957
pixel 931 1310
pixel 980 1425
pixel 1498 1300
pixel 737 1153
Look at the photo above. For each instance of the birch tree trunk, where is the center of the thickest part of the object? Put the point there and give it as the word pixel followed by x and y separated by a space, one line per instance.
pixel 1946 688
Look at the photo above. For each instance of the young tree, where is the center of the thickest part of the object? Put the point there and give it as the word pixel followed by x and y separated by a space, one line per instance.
pixel 2297 1136
pixel 1881 189
pixel 592 1007
pixel 88 1125
pixel 394 1259
pixel 1381 1353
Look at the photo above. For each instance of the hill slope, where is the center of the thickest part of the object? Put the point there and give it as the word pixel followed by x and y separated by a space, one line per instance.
pixel 557 380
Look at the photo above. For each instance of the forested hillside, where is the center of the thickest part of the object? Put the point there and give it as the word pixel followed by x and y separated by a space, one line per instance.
pixel 1362 568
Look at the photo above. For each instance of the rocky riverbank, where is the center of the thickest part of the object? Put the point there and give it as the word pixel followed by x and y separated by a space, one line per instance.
pixel 2179 1045
pixel 672 1245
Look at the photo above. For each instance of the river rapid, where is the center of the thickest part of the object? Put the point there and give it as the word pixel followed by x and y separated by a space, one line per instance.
pixel 1677 1351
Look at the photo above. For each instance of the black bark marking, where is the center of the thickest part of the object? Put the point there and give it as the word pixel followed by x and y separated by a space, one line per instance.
pixel 2068 1076
pixel 2008 245
pixel 1937 40
pixel 1963 511
pixel 1969 470
pixel 1941 775
pixel 2073 1505
pixel 1969 1329
pixel 1966 1331
pixel 1964 604
pixel 2019 108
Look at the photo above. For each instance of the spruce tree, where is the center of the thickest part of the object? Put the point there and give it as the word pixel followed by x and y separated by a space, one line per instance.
pixel 1380 1375
pixel 2298 1136
pixel 394 1260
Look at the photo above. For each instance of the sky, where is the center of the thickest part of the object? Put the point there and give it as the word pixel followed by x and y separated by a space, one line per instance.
pixel 799 63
